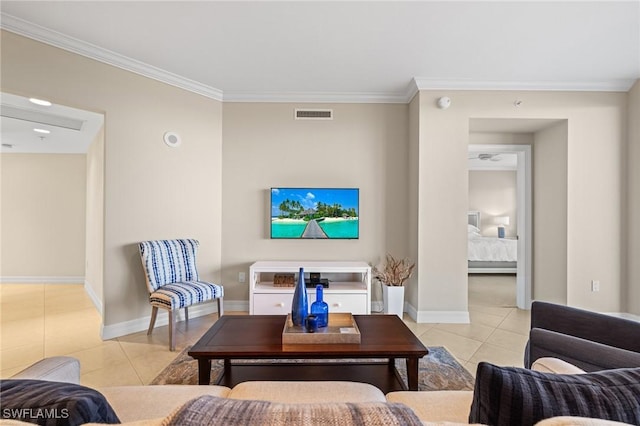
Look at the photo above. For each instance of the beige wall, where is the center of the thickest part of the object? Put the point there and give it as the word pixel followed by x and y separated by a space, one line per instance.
pixel 493 193
pixel 43 216
pixel 550 187
pixel 595 140
pixel 94 265
pixel 443 193
pixel 412 290
pixel 594 202
pixel 632 224
pixel 364 146
pixel 151 191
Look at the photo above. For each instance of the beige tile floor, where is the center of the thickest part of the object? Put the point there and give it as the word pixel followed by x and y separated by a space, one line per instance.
pixel 40 320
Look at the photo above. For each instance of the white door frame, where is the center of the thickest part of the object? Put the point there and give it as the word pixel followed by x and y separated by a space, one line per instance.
pixel 524 216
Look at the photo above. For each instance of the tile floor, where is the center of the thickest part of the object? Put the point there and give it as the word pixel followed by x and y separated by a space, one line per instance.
pixel 40 320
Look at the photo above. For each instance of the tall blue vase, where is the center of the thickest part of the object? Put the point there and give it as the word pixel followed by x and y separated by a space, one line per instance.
pixel 300 304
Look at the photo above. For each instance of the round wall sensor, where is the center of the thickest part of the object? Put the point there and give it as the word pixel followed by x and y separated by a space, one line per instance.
pixel 172 139
pixel 444 102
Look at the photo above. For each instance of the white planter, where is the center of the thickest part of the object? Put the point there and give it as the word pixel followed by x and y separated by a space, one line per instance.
pixel 393 299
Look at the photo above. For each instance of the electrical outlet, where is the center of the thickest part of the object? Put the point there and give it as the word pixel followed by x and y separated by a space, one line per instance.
pixel 242 277
pixel 595 285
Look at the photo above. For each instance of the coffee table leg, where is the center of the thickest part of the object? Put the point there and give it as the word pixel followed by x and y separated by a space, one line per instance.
pixel 204 371
pixel 412 373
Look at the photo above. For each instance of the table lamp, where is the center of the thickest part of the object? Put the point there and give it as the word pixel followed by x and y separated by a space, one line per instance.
pixel 501 221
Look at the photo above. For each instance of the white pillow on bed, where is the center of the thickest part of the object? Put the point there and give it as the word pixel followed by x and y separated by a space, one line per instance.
pixel 473 229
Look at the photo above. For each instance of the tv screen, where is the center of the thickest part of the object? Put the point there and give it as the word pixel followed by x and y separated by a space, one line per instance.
pixel 314 213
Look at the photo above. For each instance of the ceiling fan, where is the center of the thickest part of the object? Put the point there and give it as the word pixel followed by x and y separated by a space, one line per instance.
pixel 484 156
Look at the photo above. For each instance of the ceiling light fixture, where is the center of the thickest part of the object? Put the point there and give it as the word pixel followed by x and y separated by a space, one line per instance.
pixel 44 131
pixel 40 102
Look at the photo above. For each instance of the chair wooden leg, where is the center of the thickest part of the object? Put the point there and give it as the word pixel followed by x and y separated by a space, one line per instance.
pixel 220 307
pixel 172 326
pixel 152 323
pixel 186 313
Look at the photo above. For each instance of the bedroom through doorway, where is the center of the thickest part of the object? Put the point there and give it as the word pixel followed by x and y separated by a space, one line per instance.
pixel 492 229
pixel 547 138
pixel 499 212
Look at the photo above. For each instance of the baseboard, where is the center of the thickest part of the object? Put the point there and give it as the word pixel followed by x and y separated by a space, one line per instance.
pixel 140 324
pixel 235 306
pixel 42 280
pixel 95 299
pixel 411 311
pixel 377 307
pixel 492 270
pixel 442 317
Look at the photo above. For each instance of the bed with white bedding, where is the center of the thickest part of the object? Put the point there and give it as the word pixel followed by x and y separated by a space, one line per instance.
pixel 489 255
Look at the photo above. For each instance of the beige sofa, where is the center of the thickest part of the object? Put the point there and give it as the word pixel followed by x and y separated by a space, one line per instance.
pixel 149 405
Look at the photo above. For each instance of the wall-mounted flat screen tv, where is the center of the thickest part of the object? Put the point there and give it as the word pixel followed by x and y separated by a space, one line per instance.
pixel 315 213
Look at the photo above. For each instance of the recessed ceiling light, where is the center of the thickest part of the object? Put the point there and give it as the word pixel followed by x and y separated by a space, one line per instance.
pixel 46 132
pixel 41 102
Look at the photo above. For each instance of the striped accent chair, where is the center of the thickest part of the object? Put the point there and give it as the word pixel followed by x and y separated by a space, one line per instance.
pixel 172 280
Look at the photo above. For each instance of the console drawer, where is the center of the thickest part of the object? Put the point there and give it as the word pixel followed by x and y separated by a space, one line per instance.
pixel 272 304
pixel 353 303
pixel 280 304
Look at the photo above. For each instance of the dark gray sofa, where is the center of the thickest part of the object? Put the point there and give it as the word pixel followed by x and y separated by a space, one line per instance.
pixel 589 340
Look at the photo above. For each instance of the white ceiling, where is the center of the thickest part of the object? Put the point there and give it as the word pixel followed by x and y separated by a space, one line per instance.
pixel 492 161
pixel 18 135
pixel 357 51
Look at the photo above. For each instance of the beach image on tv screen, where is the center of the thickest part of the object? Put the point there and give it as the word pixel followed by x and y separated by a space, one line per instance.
pixel 314 213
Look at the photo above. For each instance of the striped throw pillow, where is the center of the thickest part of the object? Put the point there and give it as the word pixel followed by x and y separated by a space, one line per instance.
pixel 517 396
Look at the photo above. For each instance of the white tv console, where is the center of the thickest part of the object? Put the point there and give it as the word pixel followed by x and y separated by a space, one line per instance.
pixel 349 286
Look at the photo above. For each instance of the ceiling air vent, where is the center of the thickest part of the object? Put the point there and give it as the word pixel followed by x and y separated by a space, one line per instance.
pixel 314 114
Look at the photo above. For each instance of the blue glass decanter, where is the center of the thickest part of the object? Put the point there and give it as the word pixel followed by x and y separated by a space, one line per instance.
pixel 300 304
pixel 320 308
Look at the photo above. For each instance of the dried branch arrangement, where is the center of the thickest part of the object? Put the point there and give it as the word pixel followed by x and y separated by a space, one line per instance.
pixel 395 271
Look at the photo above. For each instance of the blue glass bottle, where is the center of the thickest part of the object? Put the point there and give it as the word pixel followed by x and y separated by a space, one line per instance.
pixel 300 304
pixel 320 308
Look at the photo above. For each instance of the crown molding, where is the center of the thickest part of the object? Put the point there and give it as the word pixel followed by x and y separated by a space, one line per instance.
pixel 71 44
pixel 316 97
pixel 412 90
pixel 621 85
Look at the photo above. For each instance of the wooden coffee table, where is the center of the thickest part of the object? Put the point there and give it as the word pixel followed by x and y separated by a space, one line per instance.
pixel 259 337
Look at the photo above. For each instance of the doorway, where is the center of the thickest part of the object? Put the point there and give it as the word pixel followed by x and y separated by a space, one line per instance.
pixel 539 143
pixel 53 167
pixel 517 158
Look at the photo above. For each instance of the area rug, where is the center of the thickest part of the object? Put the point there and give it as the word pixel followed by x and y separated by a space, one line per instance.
pixel 438 370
